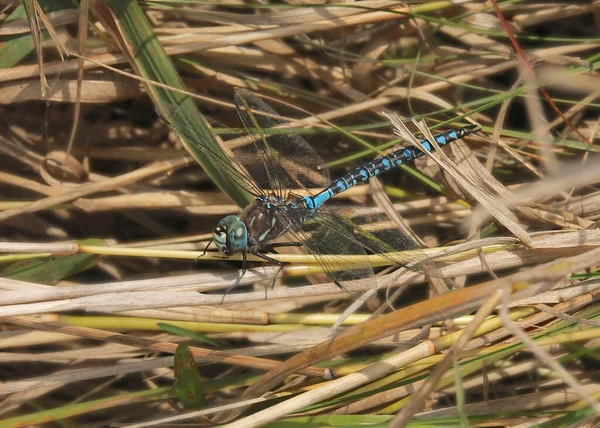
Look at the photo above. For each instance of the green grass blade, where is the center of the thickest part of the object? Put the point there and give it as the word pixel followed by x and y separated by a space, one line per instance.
pixel 150 60
pixel 52 269
pixel 15 47
pixel 188 385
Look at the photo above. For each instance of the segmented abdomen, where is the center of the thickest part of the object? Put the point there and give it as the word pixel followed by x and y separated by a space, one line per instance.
pixel 381 165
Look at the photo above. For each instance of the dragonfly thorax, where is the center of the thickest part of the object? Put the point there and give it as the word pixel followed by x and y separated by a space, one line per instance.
pixel 230 235
pixel 264 220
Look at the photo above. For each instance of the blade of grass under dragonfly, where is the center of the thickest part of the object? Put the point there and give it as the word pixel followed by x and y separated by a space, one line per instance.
pixel 129 26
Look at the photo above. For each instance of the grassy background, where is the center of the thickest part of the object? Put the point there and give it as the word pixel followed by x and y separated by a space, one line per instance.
pixel 103 211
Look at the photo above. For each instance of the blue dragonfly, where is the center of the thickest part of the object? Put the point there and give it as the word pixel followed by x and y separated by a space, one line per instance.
pixel 272 161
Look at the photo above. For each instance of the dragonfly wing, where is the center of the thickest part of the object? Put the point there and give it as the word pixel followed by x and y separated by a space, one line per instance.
pixel 344 260
pixel 206 145
pixel 278 158
pixel 376 233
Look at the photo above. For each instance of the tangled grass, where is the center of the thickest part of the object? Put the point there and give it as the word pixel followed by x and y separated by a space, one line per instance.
pixel 104 210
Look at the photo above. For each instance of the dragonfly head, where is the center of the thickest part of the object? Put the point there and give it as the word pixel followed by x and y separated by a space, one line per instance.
pixel 231 235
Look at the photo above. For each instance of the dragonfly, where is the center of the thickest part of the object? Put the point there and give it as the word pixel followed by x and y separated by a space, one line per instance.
pixel 272 163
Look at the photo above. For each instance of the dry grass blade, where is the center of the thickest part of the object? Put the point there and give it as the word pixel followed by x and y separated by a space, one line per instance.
pixel 110 184
pixel 470 179
pixel 83 37
pixel 435 309
pixel 206 354
pixel 31 7
pixel 419 399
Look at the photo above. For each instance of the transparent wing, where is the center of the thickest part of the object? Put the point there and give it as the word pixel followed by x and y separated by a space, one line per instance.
pixel 379 235
pixel 326 236
pixel 339 231
pixel 374 230
pixel 176 117
pixel 279 159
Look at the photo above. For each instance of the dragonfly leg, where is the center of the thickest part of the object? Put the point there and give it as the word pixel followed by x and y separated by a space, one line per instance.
pixel 340 286
pixel 205 250
pixel 271 283
pixel 285 244
pixel 237 281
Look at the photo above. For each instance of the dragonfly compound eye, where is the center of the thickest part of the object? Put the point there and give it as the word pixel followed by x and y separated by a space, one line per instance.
pixel 221 232
pixel 230 235
pixel 220 239
pixel 238 236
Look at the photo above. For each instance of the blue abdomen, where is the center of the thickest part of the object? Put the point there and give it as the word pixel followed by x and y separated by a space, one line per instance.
pixel 381 165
